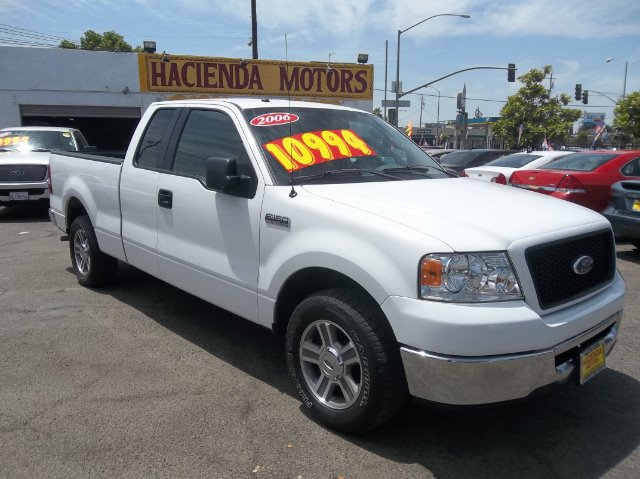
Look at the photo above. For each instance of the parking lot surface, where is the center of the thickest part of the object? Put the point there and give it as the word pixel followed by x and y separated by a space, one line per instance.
pixel 141 380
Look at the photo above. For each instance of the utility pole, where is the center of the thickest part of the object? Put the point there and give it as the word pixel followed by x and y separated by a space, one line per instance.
pixel 386 57
pixel 254 30
pixel 421 108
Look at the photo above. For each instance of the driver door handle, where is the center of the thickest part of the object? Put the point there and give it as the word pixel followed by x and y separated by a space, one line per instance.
pixel 165 199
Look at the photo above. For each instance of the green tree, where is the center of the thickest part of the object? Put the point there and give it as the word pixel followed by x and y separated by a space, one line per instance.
pixel 538 114
pixel 582 139
pixel 67 44
pixel 626 116
pixel 377 112
pixel 108 42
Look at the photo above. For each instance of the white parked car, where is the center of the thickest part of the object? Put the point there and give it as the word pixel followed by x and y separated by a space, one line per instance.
pixel 500 170
pixel 24 160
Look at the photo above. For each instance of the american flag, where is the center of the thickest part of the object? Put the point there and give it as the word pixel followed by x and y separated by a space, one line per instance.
pixel 520 130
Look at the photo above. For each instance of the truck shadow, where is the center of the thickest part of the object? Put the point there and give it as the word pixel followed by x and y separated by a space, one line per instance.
pixel 576 432
pixel 633 256
pixel 35 212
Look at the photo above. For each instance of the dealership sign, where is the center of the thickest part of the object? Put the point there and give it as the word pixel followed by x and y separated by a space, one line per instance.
pixel 231 76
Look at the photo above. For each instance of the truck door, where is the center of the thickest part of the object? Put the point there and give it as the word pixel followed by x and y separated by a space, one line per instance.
pixel 138 192
pixel 208 241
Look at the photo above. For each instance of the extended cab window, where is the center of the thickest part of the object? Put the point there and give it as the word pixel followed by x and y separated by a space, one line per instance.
pixel 155 138
pixel 206 134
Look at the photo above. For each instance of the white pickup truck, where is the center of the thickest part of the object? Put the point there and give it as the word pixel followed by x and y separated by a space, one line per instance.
pixel 24 159
pixel 388 277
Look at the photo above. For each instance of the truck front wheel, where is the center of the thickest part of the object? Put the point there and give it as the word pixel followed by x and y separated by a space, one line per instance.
pixel 91 266
pixel 344 361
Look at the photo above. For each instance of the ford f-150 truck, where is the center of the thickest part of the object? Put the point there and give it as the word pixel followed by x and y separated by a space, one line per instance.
pixel 24 157
pixel 386 276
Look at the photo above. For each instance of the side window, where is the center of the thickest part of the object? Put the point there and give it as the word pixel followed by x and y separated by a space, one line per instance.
pixel 208 133
pixel 632 168
pixel 155 138
pixel 80 141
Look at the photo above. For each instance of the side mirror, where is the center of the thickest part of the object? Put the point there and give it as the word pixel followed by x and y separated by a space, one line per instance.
pixel 222 175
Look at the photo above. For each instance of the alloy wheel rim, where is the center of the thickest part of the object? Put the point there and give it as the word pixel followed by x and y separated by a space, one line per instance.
pixel 331 365
pixel 81 252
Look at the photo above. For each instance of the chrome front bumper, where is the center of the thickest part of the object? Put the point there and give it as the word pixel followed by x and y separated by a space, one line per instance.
pixel 483 380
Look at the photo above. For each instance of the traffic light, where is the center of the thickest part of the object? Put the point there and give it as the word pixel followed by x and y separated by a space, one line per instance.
pixel 578 94
pixel 392 117
pixel 585 97
pixel 511 72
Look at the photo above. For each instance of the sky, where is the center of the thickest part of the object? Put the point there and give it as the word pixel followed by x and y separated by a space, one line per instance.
pixel 575 37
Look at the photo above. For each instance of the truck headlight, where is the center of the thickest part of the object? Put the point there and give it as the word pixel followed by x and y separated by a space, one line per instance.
pixel 468 278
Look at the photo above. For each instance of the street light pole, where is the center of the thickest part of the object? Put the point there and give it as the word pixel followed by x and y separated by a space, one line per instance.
pixel 437 115
pixel 400 32
pixel 624 83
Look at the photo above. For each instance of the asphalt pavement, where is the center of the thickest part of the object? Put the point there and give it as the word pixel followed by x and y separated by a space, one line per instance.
pixel 141 380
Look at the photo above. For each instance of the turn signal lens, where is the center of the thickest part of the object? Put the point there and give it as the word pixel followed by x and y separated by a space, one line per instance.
pixel 431 272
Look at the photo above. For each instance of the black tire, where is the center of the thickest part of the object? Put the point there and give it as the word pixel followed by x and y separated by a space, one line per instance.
pixel 351 376
pixel 91 266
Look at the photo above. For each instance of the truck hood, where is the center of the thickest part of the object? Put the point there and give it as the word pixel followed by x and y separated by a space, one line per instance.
pixel 24 157
pixel 465 214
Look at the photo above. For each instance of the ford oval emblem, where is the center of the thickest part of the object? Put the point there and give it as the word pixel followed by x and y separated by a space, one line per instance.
pixel 583 265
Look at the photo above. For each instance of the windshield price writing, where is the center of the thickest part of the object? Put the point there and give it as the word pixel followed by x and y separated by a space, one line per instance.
pixel 311 148
pixel 13 140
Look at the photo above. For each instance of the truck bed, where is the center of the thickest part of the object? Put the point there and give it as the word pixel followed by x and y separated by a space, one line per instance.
pixel 95 179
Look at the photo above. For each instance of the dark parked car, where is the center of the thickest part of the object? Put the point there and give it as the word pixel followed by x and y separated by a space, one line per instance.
pixel 461 159
pixel 623 210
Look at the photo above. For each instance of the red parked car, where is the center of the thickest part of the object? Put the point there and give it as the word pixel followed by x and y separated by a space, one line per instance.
pixel 584 178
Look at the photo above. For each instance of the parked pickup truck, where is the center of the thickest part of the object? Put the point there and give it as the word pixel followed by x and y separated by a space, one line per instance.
pixel 387 276
pixel 24 156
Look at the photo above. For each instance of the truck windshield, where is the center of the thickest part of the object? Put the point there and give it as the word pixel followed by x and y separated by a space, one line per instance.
pixel 314 144
pixel 34 140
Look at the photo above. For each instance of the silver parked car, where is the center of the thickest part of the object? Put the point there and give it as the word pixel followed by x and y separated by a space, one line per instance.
pixel 623 210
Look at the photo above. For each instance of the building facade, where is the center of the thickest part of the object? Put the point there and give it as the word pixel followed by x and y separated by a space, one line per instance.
pixel 104 94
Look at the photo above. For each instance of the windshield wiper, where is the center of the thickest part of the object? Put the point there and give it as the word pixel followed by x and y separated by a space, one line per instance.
pixel 25 151
pixel 416 169
pixel 337 173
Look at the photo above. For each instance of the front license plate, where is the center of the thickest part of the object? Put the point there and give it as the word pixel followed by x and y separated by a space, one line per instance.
pixel 592 361
pixel 18 195
pixel 636 205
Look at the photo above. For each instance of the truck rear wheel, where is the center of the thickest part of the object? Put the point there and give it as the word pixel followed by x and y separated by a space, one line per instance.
pixel 91 266
pixel 344 361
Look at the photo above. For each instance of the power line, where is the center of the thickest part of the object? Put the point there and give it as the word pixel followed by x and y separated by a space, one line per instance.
pixel 10 35
pixel 14 41
pixel 17 31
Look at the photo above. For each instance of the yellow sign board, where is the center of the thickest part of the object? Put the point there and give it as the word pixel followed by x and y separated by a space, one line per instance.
pixel 234 76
